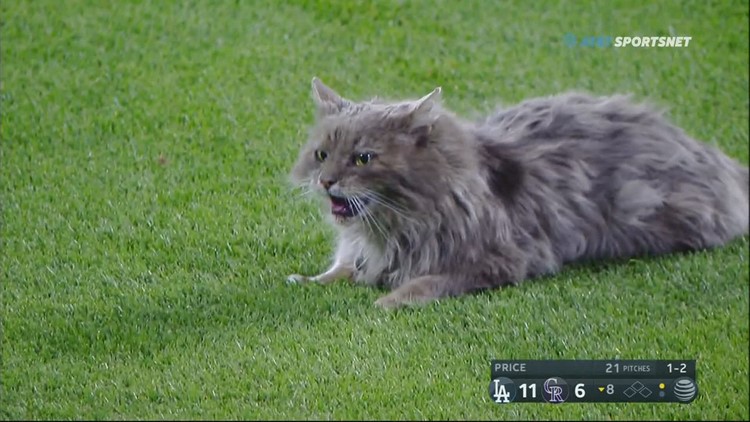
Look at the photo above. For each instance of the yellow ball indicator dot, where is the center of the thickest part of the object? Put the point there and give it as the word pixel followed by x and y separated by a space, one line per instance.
pixel 661 390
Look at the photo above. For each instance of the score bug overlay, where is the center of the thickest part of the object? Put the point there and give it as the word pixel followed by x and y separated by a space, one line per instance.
pixel 571 381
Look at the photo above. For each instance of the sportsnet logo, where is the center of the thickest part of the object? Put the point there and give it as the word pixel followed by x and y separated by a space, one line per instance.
pixel 652 41
pixel 571 40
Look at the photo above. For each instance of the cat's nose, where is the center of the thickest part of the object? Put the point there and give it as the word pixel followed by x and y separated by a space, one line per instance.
pixel 327 183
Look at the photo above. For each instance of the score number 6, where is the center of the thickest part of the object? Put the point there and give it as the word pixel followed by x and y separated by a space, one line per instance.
pixel 579 391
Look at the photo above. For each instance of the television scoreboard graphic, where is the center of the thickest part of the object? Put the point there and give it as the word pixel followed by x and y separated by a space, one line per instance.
pixel 593 381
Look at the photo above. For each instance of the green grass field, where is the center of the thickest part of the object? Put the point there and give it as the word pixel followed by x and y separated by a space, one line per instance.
pixel 148 226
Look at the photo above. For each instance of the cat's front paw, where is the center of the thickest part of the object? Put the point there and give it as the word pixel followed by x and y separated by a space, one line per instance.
pixel 297 279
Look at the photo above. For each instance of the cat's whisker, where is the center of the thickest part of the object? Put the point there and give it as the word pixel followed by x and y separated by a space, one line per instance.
pixel 388 204
pixel 360 208
pixel 400 209
pixel 368 215
pixel 376 197
pixel 303 193
pixel 305 189
pixel 302 189
pixel 384 199
pixel 366 219
pixel 380 228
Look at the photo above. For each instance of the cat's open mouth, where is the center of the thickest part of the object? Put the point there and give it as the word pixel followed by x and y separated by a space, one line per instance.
pixel 347 207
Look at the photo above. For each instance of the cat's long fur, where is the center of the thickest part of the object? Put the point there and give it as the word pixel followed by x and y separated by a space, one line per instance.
pixel 457 206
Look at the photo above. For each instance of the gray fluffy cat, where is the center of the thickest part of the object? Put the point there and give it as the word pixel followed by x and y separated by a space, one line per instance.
pixel 430 205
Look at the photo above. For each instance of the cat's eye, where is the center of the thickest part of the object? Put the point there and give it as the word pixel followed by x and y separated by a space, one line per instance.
pixel 320 155
pixel 363 158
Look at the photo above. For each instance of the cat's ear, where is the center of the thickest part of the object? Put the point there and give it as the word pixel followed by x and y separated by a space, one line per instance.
pixel 421 119
pixel 326 99
pixel 418 110
pixel 424 105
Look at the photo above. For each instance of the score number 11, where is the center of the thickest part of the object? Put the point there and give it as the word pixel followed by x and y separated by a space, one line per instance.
pixel 579 391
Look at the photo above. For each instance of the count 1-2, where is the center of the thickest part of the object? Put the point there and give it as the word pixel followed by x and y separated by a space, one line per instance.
pixel 680 367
